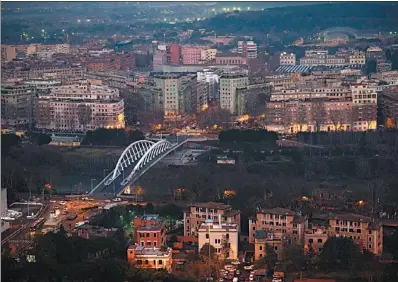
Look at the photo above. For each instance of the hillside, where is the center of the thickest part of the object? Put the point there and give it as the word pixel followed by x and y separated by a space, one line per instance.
pixel 305 19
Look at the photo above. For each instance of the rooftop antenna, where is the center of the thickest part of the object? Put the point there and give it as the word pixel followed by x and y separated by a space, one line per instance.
pixel 67 38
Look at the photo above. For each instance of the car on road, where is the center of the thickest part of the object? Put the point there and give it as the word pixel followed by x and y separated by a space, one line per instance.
pixel 248 267
pixel 251 277
pixel 62 203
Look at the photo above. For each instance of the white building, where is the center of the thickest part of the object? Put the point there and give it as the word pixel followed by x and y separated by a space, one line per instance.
pixel 228 85
pixel 223 237
pixel 287 59
pixel 251 50
pixel 212 77
pixel 3 210
pixel 80 107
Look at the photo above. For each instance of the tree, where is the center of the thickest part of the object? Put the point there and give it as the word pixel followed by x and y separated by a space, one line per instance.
pixel 318 113
pixel 302 116
pixel 294 255
pixel 206 249
pixel 40 139
pixel 8 141
pixel 340 253
pixel 370 66
pixel 84 115
pixel 336 117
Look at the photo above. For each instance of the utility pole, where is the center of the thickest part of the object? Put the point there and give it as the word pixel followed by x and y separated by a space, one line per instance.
pixel 92 185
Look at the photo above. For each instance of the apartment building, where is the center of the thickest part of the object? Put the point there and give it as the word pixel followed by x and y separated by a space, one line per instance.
pixel 229 83
pixel 230 59
pixel 364 98
pixel 365 231
pixel 274 239
pixel 208 54
pixel 223 237
pixel 80 107
pixel 287 59
pixel 248 49
pixel 39 72
pixel 290 224
pixel 196 214
pixel 175 54
pixel 4 210
pixel 389 105
pixel 150 258
pixel 8 53
pixel 168 95
pixel 251 99
pixel 322 59
pixel 17 101
pixel 357 58
pixel 195 94
pixel 149 231
pixel 191 55
pixel 315 237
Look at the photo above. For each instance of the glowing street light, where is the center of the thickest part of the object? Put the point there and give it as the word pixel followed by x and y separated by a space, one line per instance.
pixel 78 21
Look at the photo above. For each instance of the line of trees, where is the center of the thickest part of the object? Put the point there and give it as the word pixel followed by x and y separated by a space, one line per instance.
pixel 112 137
pixel 236 135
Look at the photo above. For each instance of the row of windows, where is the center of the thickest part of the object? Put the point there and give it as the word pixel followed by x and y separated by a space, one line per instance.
pixel 147 235
pixel 146 262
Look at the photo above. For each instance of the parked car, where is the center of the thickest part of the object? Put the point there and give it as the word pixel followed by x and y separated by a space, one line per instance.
pixel 251 277
pixel 248 267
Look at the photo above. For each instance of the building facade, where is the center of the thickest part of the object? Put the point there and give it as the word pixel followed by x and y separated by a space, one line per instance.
pixel 287 59
pixel 149 231
pixel 196 214
pixel 229 83
pixel 365 232
pixel 17 101
pixel 175 54
pixel 223 237
pixel 150 258
pixel 291 225
pixel 80 107
pixel 191 55
pixel 168 95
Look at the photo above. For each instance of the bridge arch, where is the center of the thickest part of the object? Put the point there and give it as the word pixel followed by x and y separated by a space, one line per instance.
pixel 132 153
pixel 345 30
pixel 155 150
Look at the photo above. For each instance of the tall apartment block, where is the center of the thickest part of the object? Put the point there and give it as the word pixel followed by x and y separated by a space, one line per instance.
pixel 168 96
pixel 229 83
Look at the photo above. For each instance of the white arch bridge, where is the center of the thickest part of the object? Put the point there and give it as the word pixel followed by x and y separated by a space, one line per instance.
pixel 135 160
